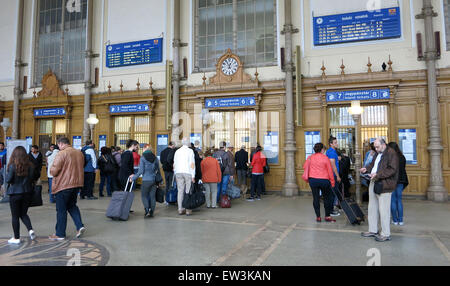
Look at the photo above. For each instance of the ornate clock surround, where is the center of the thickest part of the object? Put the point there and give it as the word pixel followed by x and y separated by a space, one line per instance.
pixel 239 77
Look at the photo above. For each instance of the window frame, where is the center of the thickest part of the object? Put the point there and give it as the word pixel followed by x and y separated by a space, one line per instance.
pixel 195 68
pixel 36 82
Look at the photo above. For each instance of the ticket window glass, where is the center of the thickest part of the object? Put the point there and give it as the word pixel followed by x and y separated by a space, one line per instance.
pixel 135 127
pixel 50 130
pixel 374 123
pixel 236 127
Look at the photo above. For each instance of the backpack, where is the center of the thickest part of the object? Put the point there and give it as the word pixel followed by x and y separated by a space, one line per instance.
pixel 221 160
pixel 86 159
pixel 110 165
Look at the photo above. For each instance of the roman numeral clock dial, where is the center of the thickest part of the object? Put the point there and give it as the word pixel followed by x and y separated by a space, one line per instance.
pixel 229 66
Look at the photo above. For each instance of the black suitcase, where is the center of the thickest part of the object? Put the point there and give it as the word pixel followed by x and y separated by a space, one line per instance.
pixel 351 209
pixel 120 205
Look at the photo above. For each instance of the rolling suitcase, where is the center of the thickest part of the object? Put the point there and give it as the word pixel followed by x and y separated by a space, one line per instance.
pixel 351 209
pixel 120 205
pixel 172 194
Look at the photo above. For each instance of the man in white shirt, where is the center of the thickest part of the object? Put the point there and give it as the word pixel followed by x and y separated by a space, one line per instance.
pixel 184 169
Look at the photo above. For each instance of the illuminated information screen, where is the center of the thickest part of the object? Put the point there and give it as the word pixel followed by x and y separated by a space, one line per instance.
pixel 134 53
pixel 357 26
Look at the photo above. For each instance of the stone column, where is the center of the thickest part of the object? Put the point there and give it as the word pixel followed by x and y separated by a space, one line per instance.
pixel 17 75
pixel 436 190
pixel 290 187
pixel 87 74
pixel 176 44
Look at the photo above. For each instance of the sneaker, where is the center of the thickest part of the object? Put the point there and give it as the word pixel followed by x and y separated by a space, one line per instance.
pixel 81 231
pixel 368 234
pixel 382 238
pixel 395 223
pixel 151 213
pixel 335 213
pixel 319 219
pixel 401 223
pixel 32 234
pixel 329 219
pixel 53 237
pixel 188 212
pixel 258 198
pixel 250 199
pixel 14 241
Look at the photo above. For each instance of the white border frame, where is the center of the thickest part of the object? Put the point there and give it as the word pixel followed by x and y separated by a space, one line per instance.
pixel 113 71
pixel 192 42
pixel 360 43
pixel 16 29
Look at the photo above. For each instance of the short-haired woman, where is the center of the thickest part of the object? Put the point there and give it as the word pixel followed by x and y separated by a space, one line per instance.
pixel 211 175
pixel 20 179
pixel 320 177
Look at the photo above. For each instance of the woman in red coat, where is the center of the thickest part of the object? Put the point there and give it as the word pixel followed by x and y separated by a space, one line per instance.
pixel 319 174
pixel 257 183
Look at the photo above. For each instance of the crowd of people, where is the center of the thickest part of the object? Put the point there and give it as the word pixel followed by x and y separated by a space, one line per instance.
pixel 71 174
pixel 327 172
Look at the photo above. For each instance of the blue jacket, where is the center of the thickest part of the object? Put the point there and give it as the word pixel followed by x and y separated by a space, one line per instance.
pixel 91 159
pixel 148 166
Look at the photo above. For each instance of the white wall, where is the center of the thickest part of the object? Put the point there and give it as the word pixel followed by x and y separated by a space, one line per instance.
pixel 117 21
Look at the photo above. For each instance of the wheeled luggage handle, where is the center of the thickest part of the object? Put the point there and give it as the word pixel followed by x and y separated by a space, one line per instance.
pixel 126 186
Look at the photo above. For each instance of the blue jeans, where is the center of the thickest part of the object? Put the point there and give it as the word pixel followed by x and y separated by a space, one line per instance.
pixel 396 204
pixel 52 197
pixel 222 186
pixel 148 192
pixel 108 179
pixel 66 201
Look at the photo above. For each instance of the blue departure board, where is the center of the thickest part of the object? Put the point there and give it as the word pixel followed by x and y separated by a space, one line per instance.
pixel 134 53
pixel 357 26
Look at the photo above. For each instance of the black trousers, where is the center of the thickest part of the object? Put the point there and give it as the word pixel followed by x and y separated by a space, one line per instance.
pixel 19 207
pixel 323 185
pixel 88 188
pixel 257 185
pixel 168 176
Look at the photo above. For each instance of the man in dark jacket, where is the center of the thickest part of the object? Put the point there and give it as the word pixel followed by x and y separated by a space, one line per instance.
pixel 224 163
pixel 90 168
pixel 384 168
pixel 241 159
pixel 37 159
pixel 166 159
pixel 344 170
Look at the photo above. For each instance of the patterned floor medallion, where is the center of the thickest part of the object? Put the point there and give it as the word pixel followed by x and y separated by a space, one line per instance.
pixel 43 252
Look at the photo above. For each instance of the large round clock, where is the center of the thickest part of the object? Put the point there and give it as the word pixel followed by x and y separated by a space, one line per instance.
pixel 229 66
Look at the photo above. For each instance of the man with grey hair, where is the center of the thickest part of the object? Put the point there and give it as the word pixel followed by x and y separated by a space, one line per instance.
pixel 184 169
pixel 383 171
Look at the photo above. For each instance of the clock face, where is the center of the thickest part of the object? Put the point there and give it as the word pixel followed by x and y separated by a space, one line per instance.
pixel 229 66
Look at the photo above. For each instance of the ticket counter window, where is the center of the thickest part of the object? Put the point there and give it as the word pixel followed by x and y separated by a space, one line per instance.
pixel 132 127
pixel 50 130
pixel 374 123
pixel 236 127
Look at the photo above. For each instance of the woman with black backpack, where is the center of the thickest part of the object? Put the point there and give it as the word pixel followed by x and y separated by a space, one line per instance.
pixel 108 168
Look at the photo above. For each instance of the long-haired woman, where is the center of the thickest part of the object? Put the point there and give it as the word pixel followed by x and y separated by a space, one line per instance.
pixel 19 176
pixel 402 182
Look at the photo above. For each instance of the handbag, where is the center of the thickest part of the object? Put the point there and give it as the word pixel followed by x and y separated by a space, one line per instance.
pixel 266 168
pixel 36 196
pixel 158 177
pixel 195 198
pixel 159 194
pixel 305 175
pixel 378 187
